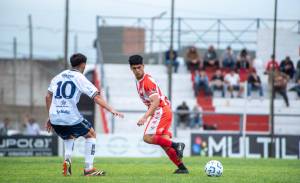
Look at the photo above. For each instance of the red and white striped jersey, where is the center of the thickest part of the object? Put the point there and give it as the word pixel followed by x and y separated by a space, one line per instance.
pixel 147 87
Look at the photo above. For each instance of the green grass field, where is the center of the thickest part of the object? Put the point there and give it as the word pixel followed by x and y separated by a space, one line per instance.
pixel 152 170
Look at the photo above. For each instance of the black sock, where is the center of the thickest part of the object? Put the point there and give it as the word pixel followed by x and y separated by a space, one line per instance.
pixel 174 145
pixel 181 166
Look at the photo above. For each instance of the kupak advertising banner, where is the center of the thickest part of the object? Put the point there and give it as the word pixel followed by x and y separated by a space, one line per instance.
pixel 28 145
pixel 253 146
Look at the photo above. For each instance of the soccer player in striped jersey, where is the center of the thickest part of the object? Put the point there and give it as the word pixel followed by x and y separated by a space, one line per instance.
pixel 158 117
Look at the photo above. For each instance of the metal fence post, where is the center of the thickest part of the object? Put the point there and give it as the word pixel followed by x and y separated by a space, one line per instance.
pixel 244 119
pixel 257 23
pixel 219 33
pixel 112 125
pixel 179 34
pixel 175 124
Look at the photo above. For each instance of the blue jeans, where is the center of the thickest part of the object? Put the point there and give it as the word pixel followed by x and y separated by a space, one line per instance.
pixel 196 120
pixel 202 84
pixel 175 65
pixel 254 87
pixel 228 63
pixel 296 89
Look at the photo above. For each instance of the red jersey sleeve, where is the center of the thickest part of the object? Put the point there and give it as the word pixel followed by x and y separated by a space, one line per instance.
pixel 150 86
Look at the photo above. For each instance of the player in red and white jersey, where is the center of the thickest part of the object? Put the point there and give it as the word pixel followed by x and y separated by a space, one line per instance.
pixel 158 117
pixel 147 87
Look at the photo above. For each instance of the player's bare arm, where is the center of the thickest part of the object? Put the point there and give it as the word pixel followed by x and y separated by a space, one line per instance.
pixel 154 99
pixel 48 104
pixel 100 101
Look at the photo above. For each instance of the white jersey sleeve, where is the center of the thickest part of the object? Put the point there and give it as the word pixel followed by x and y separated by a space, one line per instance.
pixel 86 87
pixel 51 87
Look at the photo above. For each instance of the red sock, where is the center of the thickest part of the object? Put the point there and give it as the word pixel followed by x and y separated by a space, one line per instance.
pixel 159 140
pixel 173 156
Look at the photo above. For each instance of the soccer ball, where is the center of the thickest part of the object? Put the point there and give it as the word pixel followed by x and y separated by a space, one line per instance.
pixel 213 168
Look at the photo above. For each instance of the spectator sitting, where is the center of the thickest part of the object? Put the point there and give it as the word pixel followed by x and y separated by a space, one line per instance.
pixel 193 60
pixel 296 88
pixel 298 70
pixel 270 64
pixel 228 59
pixel 287 67
pixel 172 56
pixel 183 114
pixel 4 127
pixel 280 84
pixel 201 82
pixel 217 82
pixel 232 80
pixel 196 116
pixel 211 58
pixel 254 83
pixel 32 127
pixel 244 60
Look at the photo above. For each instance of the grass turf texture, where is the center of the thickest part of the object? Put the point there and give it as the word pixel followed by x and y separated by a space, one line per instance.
pixel 152 170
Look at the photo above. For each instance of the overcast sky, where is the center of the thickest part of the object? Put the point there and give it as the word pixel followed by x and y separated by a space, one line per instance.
pixel 50 14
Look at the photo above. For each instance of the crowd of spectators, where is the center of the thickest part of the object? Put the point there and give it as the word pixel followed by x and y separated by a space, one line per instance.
pixel 228 74
pixel 29 127
pixel 212 73
pixel 189 118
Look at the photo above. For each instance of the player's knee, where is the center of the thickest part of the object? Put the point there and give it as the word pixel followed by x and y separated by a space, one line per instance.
pixel 91 134
pixel 147 139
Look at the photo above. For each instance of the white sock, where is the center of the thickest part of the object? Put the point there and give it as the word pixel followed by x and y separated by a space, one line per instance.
pixel 90 145
pixel 69 146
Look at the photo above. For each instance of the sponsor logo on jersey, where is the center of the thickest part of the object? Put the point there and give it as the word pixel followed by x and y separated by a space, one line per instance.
pixel 63 111
pixel 67 75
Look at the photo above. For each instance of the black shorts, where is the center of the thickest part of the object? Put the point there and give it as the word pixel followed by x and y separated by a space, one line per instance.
pixel 75 131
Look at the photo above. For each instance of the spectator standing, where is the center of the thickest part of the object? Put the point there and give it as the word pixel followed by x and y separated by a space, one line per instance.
pixel 232 80
pixel 217 82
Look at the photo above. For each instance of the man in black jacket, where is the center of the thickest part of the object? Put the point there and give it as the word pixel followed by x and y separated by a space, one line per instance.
pixel 287 67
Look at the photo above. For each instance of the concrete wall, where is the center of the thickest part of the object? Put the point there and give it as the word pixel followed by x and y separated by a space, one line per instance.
pixel 42 71
pixel 118 42
pixel 15 87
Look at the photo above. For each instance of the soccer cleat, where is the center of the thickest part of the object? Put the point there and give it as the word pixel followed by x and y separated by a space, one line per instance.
pixel 67 171
pixel 179 149
pixel 94 172
pixel 181 171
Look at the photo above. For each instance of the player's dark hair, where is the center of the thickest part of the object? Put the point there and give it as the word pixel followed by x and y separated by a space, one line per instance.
pixel 76 59
pixel 135 60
